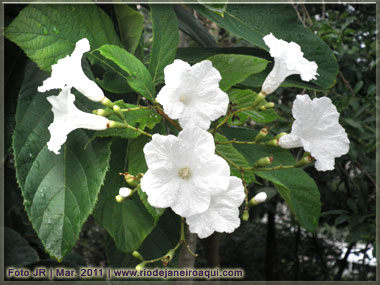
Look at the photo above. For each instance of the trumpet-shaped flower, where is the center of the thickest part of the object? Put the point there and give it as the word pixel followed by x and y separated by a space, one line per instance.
pixel 184 171
pixel 316 128
pixel 192 95
pixel 68 72
pixel 223 213
pixel 67 117
pixel 288 60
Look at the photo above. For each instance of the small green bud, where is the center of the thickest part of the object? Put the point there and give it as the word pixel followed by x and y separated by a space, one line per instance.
pixel 118 112
pixel 258 199
pixel 115 125
pixel 102 112
pixel 273 142
pixel 262 134
pixel 262 162
pixel 280 135
pixel 131 180
pixel 266 106
pixel 306 160
pixel 260 97
pixel 245 216
pixel 119 198
pixel 140 266
pixel 137 255
pixel 107 102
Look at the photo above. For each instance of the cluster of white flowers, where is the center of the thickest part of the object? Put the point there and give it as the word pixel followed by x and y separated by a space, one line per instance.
pixel 68 73
pixel 184 171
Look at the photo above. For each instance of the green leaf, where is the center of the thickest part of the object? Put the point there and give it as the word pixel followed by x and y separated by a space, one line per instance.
pixel 253 22
pixel 229 151
pixel 136 165
pixel 128 222
pixel 294 185
pixel 142 119
pixel 236 68
pixel 241 98
pixel 127 66
pixel 165 39
pixel 131 24
pixel 218 9
pixel 47 33
pixel 164 237
pixel 59 191
pixel 17 251
pixel 193 27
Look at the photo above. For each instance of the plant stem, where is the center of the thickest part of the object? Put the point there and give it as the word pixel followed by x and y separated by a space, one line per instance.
pixel 226 118
pixel 271 168
pixel 233 141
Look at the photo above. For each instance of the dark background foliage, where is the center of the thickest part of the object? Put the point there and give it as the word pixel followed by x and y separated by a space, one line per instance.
pixel 271 246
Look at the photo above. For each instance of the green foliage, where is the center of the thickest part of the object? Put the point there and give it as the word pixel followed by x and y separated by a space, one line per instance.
pixel 18 252
pixel 229 151
pixel 253 22
pixel 143 118
pixel 235 68
pixel 59 191
pixel 127 66
pixel 128 222
pixel 295 186
pixel 165 39
pixel 47 33
pixel 131 24
pixel 243 98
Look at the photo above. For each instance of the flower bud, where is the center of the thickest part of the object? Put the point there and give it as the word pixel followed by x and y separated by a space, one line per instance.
pixel 107 102
pixel 118 112
pixel 260 97
pixel 245 216
pixel 140 266
pixel 267 106
pixel 115 125
pixel 273 142
pixel 306 160
pixel 137 255
pixel 262 134
pixel 262 162
pixel 280 135
pixel 258 199
pixel 125 192
pixel 131 180
pixel 119 198
pixel 168 257
pixel 102 112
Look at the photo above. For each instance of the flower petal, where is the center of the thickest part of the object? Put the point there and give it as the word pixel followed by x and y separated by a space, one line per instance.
pixel 223 213
pixel 161 189
pixel 67 117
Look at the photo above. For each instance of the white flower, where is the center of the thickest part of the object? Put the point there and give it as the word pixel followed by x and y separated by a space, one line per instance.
pixel 223 213
pixel 192 94
pixel 67 117
pixel 184 171
pixel 68 71
pixel 316 128
pixel 288 60
pixel 260 197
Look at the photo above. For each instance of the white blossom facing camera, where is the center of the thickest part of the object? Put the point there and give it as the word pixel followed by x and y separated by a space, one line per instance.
pixel 67 117
pixel 316 128
pixel 288 60
pixel 223 213
pixel 184 171
pixel 192 95
pixel 68 72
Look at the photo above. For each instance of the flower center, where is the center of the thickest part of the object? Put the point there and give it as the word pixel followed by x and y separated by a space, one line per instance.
pixel 185 99
pixel 184 173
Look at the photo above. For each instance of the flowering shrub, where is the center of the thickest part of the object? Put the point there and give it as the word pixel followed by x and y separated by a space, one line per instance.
pixel 188 131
